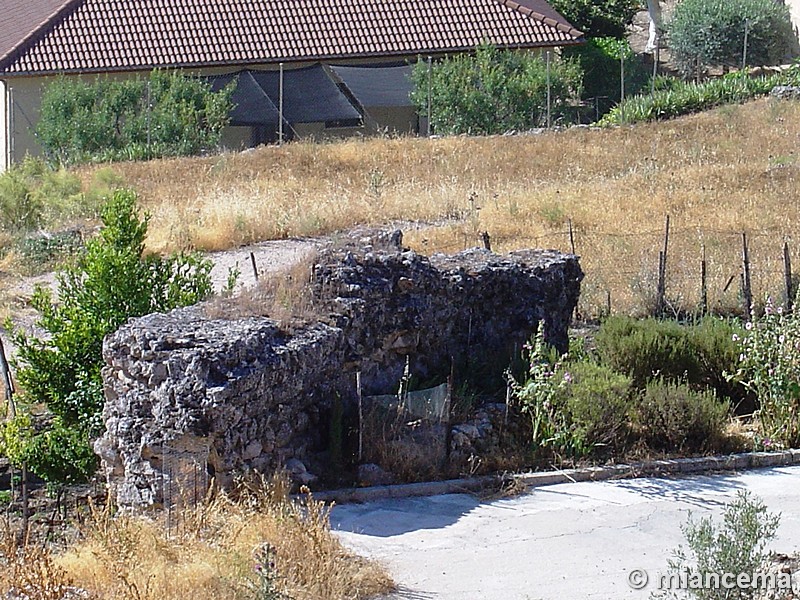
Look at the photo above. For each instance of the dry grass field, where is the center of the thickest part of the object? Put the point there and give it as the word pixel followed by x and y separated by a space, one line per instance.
pixel 716 175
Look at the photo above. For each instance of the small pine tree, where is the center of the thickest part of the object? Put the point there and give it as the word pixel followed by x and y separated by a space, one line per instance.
pixel 111 282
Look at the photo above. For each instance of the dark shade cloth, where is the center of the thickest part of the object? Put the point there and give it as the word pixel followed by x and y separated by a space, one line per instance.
pixel 377 86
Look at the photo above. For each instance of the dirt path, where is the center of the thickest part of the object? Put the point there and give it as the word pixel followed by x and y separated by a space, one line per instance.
pixel 270 257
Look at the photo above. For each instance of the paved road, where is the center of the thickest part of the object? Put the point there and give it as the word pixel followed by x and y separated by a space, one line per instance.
pixel 569 541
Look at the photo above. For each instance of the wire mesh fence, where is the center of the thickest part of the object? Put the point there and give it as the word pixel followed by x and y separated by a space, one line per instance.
pixel 704 269
pixel 184 481
pixel 407 432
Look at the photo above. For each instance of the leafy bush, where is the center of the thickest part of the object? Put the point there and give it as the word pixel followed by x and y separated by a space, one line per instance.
pixel 55 453
pixel 34 195
pixel 698 354
pixel 647 349
pixel 768 366
pixel 674 417
pixel 575 408
pixel 597 403
pixel 689 97
pixel 599 59
pixel 738 545
pixel 169 114
pixel 108 283
pixel 715 346
pixel 598 18
pixel 493 91
pixel 43 250
pixel 704 33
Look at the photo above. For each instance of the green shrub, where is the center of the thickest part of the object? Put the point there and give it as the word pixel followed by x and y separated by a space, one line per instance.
pixel 714 344
pixel 108 283
pixel 674 417
pixel 706 33
pixel 493 91
pixel 737 546
pixel 42 251
pixel 647 349
pixel 168 114
pixel 599 59
pixel 688 97
pixel 21 209
pixel 699 354
pixel 34 195
pixel 597 402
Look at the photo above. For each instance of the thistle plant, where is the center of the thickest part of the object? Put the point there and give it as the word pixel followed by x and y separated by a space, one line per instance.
pixel 267 586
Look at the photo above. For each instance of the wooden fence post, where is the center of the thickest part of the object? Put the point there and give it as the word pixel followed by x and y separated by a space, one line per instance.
pixel 255 267
pixel 8 383
pixel 5 373
pixel 787 277
pixel 662 272
pixel 703 284
pixel 571 237
pixel 747 290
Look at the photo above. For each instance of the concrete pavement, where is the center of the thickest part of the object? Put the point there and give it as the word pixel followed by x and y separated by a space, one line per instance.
pixel 573 540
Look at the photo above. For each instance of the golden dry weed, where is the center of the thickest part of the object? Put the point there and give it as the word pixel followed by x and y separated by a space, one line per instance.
pixel 284 296
pixel 716 174
pixel 209 553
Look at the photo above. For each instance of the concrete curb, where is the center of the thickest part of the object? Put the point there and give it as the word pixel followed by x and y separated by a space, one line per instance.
pixel 653 468
pixel 407 490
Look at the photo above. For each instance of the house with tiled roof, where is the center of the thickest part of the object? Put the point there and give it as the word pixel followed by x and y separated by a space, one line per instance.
pixel 334 63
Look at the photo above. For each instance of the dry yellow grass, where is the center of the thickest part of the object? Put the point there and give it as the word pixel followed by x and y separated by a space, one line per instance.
pixel 210 555
pixel 716 174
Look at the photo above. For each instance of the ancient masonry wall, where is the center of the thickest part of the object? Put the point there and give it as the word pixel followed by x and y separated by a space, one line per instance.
pixel 188 397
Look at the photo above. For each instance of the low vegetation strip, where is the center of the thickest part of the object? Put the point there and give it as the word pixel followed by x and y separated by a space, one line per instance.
pixel 686 97
pixel 716 174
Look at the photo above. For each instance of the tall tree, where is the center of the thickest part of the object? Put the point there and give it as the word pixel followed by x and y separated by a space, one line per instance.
pixel 598 18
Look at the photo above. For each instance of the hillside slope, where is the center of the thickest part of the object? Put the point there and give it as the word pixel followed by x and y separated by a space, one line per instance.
pixel 716 174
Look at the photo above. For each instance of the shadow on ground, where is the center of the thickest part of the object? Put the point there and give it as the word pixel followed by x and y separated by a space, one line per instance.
pixel 402 515
pixel 698 490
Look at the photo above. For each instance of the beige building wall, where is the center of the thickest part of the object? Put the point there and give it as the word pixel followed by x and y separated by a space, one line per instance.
pixel 25 100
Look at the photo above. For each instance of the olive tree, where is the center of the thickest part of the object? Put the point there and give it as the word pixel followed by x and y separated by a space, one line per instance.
pixel 729 33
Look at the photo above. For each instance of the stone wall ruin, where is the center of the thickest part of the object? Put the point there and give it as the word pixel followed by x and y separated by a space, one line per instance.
pixel 189 397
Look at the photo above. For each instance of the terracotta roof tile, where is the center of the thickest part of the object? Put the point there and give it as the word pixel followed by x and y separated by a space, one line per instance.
pixel 109 35
pixel 19 19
